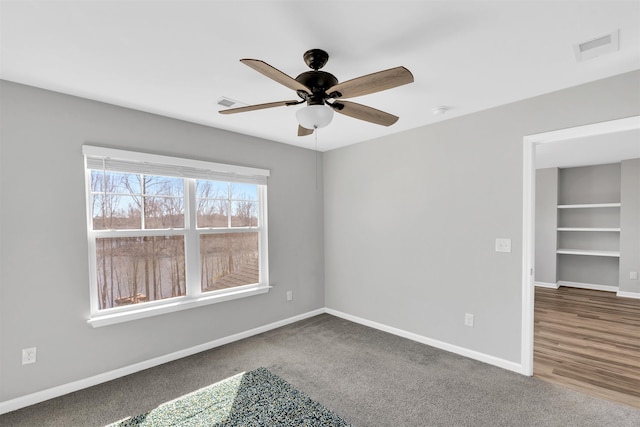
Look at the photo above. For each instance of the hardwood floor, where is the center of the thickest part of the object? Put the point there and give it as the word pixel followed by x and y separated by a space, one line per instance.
pixel 588 341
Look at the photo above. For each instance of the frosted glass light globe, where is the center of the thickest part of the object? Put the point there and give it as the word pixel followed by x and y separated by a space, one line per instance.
pixel 314 116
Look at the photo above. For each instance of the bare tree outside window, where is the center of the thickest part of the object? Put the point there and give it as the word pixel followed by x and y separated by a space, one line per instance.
pixel 144 268
pixel 156 230
pixel 212 200
pixel 227 259
pixel 139 269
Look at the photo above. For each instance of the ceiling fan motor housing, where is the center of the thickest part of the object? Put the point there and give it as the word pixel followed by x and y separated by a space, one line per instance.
pixel 318 82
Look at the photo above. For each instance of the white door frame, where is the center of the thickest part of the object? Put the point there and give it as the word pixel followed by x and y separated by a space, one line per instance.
pixel 528 214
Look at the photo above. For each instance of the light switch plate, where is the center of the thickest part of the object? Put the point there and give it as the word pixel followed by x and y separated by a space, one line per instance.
pixel 468 319
pixel 503 245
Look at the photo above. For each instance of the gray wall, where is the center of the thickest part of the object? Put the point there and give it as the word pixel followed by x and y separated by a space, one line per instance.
pixel 411 219
pixel 589 184
pixel 630 225
pixel 546 225
pixel 410 222
pixel 44 292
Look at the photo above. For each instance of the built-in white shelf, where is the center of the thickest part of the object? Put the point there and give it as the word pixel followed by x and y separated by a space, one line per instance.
pixel 614 230
pixel 590 205
pixel 614 254
pixel 588 226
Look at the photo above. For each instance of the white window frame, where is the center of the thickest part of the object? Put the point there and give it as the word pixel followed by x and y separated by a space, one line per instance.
pixel 190 170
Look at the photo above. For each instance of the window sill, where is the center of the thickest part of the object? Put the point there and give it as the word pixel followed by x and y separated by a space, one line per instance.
pixel 99 320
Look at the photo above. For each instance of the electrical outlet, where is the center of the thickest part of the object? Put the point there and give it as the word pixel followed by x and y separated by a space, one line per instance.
pixel 633 275
pixel 289 295
pixel 468 319
pixel 503 245
pixel 28 355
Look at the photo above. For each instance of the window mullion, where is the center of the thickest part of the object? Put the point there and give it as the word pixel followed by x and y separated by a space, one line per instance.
pixel 137 233
pixel 143 190
pixel 263 242
pixel 192 243
pixel 228 205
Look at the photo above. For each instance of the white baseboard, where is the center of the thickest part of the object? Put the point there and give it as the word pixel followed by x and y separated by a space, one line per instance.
pixel 492 360
pixel 626 294
pixel 592 286
pixel 546 285
pixel 41 396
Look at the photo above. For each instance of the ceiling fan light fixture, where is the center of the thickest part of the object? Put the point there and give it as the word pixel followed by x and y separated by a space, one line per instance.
pixel 314 116
pixel 316 88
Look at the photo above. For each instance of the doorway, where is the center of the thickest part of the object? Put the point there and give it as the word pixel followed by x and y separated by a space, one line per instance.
pixel 531 144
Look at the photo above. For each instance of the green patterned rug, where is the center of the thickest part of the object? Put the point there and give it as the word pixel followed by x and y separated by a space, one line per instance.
pixel 255 398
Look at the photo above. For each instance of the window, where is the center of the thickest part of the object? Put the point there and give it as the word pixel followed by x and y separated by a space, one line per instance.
pixel 168 233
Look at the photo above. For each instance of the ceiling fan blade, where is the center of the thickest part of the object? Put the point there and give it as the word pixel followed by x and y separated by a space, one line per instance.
pixel 275 74
pixel 257 107
pixel 362 112
pixel 371 83
pixel 304 131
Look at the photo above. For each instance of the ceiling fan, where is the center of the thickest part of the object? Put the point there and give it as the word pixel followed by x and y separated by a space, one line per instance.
pixel 324 94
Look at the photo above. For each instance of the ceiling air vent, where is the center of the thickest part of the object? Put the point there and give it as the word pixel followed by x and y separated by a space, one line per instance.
pixel 597 46
pixel 226 102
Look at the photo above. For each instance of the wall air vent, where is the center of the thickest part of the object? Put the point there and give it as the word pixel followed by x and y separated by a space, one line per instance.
pixel 597 46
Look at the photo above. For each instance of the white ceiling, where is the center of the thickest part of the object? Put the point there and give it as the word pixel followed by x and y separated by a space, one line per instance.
pixel 592 150
pixel 177 58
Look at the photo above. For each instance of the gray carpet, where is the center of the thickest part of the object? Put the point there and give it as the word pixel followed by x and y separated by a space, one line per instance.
pixel 367 377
